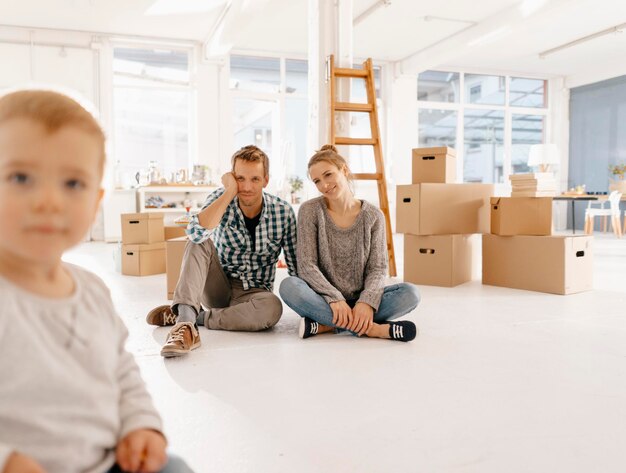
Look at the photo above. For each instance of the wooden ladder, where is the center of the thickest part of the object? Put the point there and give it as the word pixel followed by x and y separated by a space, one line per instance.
pixel 367 73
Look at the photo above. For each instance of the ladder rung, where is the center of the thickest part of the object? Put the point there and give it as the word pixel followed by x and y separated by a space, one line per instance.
pixel 346 72
pixel 344 140
pixel 367 177
pixel 353 107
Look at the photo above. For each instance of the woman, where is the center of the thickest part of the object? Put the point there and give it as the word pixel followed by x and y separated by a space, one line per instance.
pixel 342 262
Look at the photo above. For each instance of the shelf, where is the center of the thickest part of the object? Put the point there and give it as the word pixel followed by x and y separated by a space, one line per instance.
pixel 173 189
pixel 176 194
pixel 171 210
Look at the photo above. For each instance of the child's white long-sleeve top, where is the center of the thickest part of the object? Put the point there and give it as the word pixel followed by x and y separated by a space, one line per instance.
pixel 69 390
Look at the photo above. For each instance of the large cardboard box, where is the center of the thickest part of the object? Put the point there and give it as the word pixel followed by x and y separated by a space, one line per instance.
pixel 434 165
pixel 557 264
pixel 173 231
pixel 438 260
pixel 442 209
pixel 143 260
pixel 142 228
pixel 521 216
pixel 174 251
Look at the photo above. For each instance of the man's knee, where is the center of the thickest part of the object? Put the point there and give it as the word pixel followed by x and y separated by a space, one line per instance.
pixel 204 249
pixel 269 309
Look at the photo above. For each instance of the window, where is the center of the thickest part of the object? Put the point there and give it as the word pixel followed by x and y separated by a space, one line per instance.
pixel 526 130
pixel 469 112
pixel 437 128
pixel 259 74
pixel 483 131
pixel 152 109
pixel 475 93
pixel 272 113
pixel 436 86
pixel 487 90
pixel 528 93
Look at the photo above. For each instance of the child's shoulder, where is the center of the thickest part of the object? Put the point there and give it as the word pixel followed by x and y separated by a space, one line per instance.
pixel 87 280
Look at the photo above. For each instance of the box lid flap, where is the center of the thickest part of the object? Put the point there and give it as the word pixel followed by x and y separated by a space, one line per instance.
pixel 438 150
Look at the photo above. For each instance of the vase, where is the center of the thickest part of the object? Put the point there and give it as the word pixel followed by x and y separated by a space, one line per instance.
pixel 617 185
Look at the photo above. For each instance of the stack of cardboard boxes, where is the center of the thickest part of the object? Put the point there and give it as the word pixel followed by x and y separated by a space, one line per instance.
pixel 438 219
pixel 143 244
pixel 522 253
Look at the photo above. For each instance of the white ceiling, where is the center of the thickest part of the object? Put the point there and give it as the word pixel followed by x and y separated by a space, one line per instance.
pixel 392 33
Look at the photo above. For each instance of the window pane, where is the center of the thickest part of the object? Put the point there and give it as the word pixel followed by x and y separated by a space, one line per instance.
pixel 527 130
pixel 487 90
pixel 150 67
pixel 297 75
pixel 436 86
pixel 437 128
pixel 527 92
pixel 152 125
pixel 253 123
pixel 296 128
pixel 260 74
pixel 484 145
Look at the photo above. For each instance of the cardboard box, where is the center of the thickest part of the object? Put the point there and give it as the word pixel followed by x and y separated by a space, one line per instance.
pixel 521 216
pixel 142 228
pixel 557 264
pixel 173 231
pixel 442 209
pixel 174 252
pixel 439 260
pixel 434 165
pixel 143 260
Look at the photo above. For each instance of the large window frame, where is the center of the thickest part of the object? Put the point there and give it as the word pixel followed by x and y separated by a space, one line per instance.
pixel 189 86
pixel 280 149
pixel 462 105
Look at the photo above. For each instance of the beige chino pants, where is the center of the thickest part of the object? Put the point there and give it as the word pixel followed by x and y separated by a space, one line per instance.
pixel 228 305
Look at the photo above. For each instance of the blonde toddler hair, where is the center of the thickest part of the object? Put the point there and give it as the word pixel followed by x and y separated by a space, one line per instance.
pixel 52 110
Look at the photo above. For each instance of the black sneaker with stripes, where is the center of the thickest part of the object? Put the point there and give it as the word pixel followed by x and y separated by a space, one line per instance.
pixel 308 327
pixel 403 331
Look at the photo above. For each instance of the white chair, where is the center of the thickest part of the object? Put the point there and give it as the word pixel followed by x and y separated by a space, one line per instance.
pixel 600 205
pixel 613 211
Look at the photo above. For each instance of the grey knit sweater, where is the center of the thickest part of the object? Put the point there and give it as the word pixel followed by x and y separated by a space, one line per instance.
pixel 342 263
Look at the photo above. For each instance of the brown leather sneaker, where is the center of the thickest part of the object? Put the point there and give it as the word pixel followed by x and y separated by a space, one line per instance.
pixel 161 316
pixel 183 338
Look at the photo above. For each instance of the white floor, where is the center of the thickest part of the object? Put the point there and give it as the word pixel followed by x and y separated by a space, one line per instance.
pixel 499 380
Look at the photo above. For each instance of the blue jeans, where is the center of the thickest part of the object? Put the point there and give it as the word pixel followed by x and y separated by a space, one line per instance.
pixel 397 300
pixel 174 465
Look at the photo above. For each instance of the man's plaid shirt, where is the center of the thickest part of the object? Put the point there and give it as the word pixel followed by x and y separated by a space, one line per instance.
pixel 255 267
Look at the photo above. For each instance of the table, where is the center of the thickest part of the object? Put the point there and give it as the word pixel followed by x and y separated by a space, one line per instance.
pixel 573 199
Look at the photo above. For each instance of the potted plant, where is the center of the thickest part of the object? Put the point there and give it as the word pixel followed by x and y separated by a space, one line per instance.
pixel 296 184
pixel 617 170
pixel 617 183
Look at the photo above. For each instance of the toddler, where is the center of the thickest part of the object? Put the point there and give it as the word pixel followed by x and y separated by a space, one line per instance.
pixel 71 397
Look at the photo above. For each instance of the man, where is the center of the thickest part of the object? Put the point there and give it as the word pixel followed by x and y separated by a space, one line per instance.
pixel 229 263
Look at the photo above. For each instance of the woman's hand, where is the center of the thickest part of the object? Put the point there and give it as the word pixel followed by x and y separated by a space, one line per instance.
pixel 363 318
pixel 20 463
pixel 342 313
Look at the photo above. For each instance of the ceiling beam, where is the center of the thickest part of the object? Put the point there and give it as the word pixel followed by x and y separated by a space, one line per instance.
pixel 235 17
pixel 461 43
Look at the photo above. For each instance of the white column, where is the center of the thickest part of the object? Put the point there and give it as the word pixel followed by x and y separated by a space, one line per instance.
pixel 330 32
